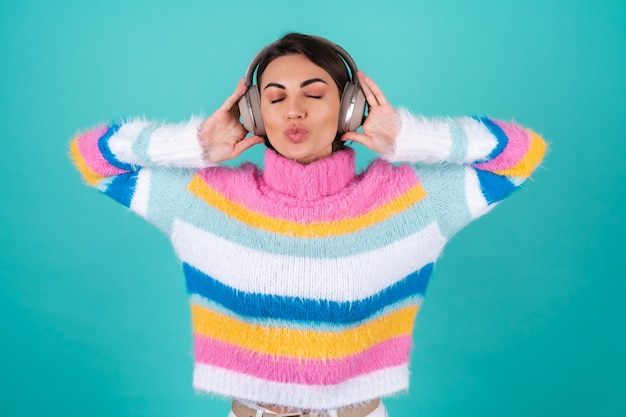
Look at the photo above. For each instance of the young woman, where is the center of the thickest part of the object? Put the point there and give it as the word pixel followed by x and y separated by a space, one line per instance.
pixel 305 277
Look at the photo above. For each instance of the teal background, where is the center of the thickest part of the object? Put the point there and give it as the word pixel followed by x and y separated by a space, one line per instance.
pixel 525 313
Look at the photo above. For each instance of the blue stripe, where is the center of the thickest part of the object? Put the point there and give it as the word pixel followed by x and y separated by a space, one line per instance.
pixel 122 188
pixel 302 309
pixel 211 305
pixel 103 146
pixel 494 187
pixel 497 131
pixel 208 218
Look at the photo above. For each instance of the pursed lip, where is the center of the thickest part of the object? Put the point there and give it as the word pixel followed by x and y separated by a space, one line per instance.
pixel 296 133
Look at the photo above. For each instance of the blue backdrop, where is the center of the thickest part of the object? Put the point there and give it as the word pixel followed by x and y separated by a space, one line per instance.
pixel 523 315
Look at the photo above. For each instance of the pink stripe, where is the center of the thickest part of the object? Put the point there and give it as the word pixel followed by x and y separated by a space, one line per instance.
pixel 88 148
pixel 392 352
pixel 382 184
pixel 519 144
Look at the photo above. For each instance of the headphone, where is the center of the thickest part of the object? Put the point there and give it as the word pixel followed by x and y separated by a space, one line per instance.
pixel 351 110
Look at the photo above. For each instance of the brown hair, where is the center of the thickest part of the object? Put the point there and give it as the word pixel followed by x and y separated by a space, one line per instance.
pixel 318 52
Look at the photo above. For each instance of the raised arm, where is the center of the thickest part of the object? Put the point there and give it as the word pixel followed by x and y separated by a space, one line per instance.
pixel 469 164
pixel 146 165
pixel 132 162
pixel 466 164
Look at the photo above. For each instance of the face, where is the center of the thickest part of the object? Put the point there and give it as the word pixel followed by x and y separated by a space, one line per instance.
pixel 300 107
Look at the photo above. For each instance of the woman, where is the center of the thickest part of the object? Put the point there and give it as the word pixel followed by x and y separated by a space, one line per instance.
pixel 305 278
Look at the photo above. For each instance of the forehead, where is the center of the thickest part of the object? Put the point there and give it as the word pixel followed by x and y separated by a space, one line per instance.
pixel 296 68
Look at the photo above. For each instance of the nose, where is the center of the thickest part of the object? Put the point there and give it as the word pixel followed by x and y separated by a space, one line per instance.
pixel 295 110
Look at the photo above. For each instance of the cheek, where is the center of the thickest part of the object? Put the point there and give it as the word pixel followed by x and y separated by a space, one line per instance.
pixel 272 124
pixel 269 116
pixel 331 117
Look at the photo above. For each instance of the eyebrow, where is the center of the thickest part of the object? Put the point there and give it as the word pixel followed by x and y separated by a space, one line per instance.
pixel 302 84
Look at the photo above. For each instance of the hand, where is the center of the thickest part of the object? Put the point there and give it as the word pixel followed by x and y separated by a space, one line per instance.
pixel 221 135
pixel 381 124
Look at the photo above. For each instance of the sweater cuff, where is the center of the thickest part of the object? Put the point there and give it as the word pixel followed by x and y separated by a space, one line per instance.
pixel 170 145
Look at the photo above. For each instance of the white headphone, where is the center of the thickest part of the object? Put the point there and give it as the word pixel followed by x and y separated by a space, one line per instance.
pixel 351 111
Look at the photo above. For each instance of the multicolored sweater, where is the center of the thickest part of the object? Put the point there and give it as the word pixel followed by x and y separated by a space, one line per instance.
pixel 305 280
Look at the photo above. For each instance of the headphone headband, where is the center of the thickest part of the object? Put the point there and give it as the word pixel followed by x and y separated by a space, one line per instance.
pixel 343 54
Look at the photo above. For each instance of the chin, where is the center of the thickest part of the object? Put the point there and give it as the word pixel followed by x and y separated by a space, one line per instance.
pixel 300 152
pixel 295 155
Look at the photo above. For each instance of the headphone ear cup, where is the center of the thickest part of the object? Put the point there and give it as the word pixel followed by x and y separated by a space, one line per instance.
pixel 352 108
pixel 250 110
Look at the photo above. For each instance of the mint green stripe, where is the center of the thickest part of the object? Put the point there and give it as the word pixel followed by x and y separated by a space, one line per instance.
pixel 459 141
pixel 445 185
pixel 141 145
pixel 167 188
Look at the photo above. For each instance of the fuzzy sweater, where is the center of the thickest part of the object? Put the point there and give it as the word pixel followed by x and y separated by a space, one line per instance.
pixel 305 280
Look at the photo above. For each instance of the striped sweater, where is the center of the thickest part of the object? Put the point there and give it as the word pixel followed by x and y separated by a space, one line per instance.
pixel 305 280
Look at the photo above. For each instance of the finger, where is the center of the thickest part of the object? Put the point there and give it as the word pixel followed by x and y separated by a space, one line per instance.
pixel 356 137
pixel 231 101
pixel 376 91
pixel 369 95
pixel 247 143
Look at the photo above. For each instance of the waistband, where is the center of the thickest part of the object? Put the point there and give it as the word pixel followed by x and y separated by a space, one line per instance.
pixel 245 410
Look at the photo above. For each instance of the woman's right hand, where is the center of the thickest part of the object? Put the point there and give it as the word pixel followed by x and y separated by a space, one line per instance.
pixel 221 135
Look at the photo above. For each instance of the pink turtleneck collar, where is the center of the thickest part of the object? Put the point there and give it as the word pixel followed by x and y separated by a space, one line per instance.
pixel 324 177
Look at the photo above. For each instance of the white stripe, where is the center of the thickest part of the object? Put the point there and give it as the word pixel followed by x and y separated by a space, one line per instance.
pixel 421 139
pixel 340 279
pixel 139 203
pixel 377 384
pixel 177 145
pixel 476 202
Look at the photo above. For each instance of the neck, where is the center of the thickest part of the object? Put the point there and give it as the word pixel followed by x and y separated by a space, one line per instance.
pixel 324 177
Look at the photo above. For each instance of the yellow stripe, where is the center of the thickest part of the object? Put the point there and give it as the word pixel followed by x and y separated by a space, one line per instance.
pixel 529 162
pixel 291 228
pixel 88 174
pixel 304 344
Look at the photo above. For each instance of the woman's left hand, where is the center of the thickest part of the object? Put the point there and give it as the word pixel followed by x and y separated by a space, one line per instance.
pixel 381 124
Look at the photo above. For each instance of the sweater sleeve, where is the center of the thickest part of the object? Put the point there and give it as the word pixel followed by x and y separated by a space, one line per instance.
pixel 141 164
pixel 467 165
